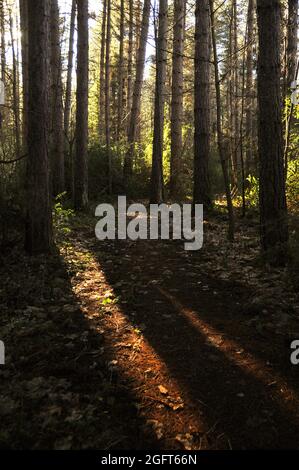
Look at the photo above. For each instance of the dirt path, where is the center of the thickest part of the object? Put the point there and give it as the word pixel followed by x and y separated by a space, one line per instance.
pixel 141 344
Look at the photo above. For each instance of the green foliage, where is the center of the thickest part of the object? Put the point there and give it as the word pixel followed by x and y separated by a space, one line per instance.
pixel 61 215
pixel 293 184
pixel 252 192
pixel 137 187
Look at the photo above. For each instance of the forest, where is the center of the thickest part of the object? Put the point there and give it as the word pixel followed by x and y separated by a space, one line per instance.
pixel 149 225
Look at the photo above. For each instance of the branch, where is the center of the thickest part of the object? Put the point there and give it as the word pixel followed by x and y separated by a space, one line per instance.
pixel 7 162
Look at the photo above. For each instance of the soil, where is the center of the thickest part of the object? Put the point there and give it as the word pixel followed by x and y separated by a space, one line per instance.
pixel 138 345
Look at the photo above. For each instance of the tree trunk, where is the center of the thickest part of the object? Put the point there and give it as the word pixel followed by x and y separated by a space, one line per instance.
pixel 130 64
pixel 292 41
pixel 177 97
pixel 81 164
pixel 15 89
pixel 161 56
pixel 107 96
pixel 68 89
pixel 249 89
pixel 68 143
pixel 202 105
pixel 3 42
pixel 57 141
pixel 24 50
pixel 222 155
pixel 121 71
pixel 128 165
pixel 273 210
pixel 102 72
pixel 38 220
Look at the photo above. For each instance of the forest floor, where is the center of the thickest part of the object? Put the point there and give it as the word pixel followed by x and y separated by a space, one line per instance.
pixel 135 345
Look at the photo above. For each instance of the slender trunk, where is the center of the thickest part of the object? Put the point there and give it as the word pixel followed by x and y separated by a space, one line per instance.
pixel 39 236
pixel 57 141
pixel 249 89
pixel 177 97
pixel 121 70
pixel 102 72
pixel 235 96
pixel 273 210
pixel 15 89
pixel 223 159
pixel 81 164
pixel 292 42
pixel 128 165
pixel 291 70
pixel 202 105
pixel 68 89
pixel 3 42
pixel 24 50
pixel 107 96
pixel 161 56
pixel 130 64
pixel 68 140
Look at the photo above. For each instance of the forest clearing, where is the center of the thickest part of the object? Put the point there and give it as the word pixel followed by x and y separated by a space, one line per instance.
pixel 149 249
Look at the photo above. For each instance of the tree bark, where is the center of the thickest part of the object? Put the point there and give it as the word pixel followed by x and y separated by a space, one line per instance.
pixel 15 89
pixel 56 137
pixel 273 209
pixel 3 42
pixel 292 41
pixel 68 89
pixel 128 165
pixel 107 96
pixel 249 89
pixel 156 195
pixel 177 97
pixel 120 97
pixel 201 193
pixel 102 72
pixel 221 149
pixel 24 53
pixel 130 64
pixel 81 165
pixel 39 236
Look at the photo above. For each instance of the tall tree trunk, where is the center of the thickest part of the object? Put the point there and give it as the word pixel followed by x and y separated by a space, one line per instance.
pixel 221 149
pixel 235 96
pixel 68 88
pixel 249 89
pixel 161 56
pixel 130 63
pixel 81 164
pixel 273 210
pixel 292 41
pixel 3 42
pixel 107 96
pixel 102 72
pixel 291 70
pixel 202 104
pixel 24 51
pixel 128 165
pixel 177 97
pixel 38 221
pixel 57 140
pixel 121 71
pixel 15 89
pixel 138 29
pixel 68 144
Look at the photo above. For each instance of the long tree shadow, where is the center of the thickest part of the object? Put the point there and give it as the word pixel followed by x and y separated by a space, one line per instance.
pixel 244 401
pixel 59 388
